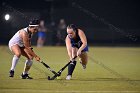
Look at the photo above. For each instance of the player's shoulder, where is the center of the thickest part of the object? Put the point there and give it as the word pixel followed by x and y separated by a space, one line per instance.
pixel 23 32
pixel 67 38
pixel 80 31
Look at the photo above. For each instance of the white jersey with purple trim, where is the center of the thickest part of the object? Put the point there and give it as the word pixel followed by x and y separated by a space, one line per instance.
pixel 16 39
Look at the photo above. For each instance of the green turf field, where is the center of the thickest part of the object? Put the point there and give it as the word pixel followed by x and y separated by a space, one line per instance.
pixel 109 70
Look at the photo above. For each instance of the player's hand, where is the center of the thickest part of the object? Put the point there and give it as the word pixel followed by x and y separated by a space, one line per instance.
pixel 37 58
pixel 78 52
pixel 31 48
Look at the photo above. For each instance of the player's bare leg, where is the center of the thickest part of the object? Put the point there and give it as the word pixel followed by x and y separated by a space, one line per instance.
pixel 39 42
pixel 72 65
pixel 17 53
pixel 28 64
pixel 83 59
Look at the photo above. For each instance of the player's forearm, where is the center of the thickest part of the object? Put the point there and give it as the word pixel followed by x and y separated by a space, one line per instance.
pixel 83 46
pixel 29 48
pixel 69 53
pixel 31 51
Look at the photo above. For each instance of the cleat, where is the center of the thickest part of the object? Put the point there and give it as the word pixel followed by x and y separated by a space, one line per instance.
pixel 84 66
pixel 68 77
pixel 11 73
pixel 26 76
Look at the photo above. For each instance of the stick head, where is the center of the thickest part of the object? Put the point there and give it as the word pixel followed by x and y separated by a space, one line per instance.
pixel 59 73
pixel 49 78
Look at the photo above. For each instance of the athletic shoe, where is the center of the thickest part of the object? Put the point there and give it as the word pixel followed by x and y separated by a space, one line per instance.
pixel 68 77
pixel 84 66
pixel 26 76
pixel 11 73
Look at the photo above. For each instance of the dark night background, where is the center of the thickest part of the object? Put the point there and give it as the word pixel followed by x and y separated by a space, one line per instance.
pixel 122 14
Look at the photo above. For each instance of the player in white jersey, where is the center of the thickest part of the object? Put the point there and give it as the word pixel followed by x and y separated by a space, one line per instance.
pixel 20 44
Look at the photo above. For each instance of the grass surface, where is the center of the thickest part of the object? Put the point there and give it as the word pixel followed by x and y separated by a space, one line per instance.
pixel 109 70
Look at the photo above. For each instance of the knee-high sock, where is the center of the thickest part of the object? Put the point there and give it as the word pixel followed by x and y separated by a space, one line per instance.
pixel 71 67
pixel 28 64
pixel 14 62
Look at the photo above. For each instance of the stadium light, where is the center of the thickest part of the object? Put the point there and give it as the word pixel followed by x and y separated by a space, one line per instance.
pixel 7 17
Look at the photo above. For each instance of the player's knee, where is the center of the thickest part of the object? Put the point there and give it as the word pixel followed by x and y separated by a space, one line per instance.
pixel 18 54
pixel 30 57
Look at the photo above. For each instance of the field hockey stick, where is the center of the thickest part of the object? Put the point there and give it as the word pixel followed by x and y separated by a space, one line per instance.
pixel 48 67
pixel 61 70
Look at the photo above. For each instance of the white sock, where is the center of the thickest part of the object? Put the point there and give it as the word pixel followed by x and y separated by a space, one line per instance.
pixel 24 73
pixel 27 63
pixel 14 62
